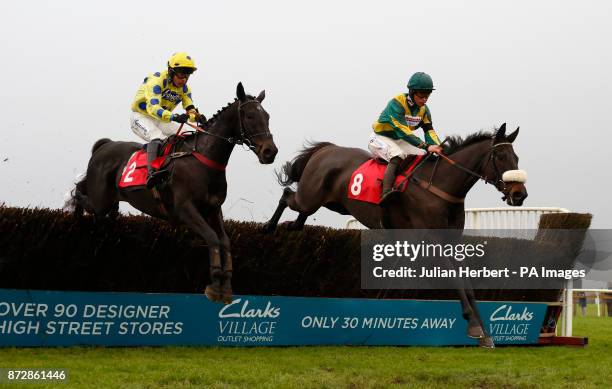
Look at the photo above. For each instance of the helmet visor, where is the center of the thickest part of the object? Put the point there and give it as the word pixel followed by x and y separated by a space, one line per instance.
pixel 184 70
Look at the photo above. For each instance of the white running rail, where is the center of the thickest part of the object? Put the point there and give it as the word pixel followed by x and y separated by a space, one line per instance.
pixel 526 218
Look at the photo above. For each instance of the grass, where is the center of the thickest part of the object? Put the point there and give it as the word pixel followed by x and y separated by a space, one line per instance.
pixel 332 367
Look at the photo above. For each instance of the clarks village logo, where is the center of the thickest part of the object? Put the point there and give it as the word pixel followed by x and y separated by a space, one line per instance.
pixel 246 312
pixel 243 322
pixel 506 325
pixel 504 313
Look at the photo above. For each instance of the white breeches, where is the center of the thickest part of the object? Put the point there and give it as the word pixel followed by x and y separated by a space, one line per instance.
pixel 387 148
pixel 148 128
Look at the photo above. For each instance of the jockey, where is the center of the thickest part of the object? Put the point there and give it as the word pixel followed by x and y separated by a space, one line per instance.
pixel 394 139
pixel 152 118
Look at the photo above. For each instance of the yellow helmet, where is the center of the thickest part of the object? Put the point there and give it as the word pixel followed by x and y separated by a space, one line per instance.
pixel 182 62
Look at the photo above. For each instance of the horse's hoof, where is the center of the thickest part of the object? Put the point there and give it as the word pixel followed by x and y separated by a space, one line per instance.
pixel 475 332
pixel 227 297
pixel 213 293
pixel 486 342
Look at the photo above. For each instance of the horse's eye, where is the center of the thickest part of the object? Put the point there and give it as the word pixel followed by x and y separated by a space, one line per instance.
pixel 249 117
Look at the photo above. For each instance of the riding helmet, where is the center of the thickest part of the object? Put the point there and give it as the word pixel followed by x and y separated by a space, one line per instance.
pixel 182 63
pixel 421 81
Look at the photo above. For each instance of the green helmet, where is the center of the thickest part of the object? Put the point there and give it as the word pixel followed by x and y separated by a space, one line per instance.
pixel 420 81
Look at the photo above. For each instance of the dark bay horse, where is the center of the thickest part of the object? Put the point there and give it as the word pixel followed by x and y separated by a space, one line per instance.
pixel 323 171
pixel 197 189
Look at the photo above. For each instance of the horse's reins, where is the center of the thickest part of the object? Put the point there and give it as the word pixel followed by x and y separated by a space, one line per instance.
pixel 446 196
pixel 473 173
pixel 245 137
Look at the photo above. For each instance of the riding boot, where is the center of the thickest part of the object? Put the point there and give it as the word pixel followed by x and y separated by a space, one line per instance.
pixel 388 192
pixel 153 177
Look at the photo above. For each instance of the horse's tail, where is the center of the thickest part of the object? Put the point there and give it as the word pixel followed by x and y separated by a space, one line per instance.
pixel 292 170
pixel 77 198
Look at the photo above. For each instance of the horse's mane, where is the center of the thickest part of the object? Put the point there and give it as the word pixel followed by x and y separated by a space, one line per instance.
pixel 211 120
pixel 456 143
pixel 214 117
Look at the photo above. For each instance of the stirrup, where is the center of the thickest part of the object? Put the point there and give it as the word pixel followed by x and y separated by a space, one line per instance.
pixel 156 178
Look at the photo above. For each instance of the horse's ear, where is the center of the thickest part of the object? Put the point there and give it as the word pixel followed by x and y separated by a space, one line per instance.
pixel 513 136
pixel 262 95
pixel 501 133
pixel 240 92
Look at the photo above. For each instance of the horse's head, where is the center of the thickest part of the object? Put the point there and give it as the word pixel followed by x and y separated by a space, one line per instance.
pixel 254 121
pixel 502 168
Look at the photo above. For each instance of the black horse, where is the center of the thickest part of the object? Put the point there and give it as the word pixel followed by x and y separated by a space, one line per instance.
pixel 198 184
pixel 323 173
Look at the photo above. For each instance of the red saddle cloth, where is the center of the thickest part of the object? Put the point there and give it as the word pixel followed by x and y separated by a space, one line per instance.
pixel 135 170
pixel 366 181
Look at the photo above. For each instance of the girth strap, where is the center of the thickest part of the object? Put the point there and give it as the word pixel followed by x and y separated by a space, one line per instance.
pixel 438 192
pixel 200 157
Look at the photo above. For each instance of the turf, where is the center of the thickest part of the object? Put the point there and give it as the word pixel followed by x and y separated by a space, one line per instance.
pixel 332 367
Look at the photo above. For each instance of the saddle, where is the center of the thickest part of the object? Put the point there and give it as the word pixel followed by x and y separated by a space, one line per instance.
pixel 366 181
pixel 134 175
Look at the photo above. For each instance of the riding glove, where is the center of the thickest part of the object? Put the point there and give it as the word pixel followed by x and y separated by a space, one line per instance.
pixel 202 120
pixel 182 118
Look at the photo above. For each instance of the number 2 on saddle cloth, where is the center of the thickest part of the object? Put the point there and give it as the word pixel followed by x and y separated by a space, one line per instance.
pixel 134 174
pixel 366 181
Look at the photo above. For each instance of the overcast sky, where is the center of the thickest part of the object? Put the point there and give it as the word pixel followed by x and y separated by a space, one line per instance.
pixel 71 69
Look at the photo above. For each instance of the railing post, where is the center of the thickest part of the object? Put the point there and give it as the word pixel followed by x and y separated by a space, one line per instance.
pixel 569 309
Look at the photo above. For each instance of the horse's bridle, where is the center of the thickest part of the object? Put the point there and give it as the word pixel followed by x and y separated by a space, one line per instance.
pixel 245 137
pixel 499 175
pixel 446 196
pixel 492 158
pixel 503 188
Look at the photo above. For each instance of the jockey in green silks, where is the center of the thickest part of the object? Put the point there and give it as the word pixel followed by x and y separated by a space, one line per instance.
pixel 394 139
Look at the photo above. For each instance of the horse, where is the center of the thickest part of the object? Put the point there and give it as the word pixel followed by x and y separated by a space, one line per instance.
pixel 198 184
pixel 323 170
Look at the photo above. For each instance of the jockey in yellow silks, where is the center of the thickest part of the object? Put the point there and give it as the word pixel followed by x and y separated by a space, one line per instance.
pixel 394 139
pixel 152 118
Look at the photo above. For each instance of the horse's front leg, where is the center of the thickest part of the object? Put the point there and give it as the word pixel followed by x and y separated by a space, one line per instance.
pixel 485 341
pixel 476 328
pixel 471 313
pixel 189 215
pixel 216 221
